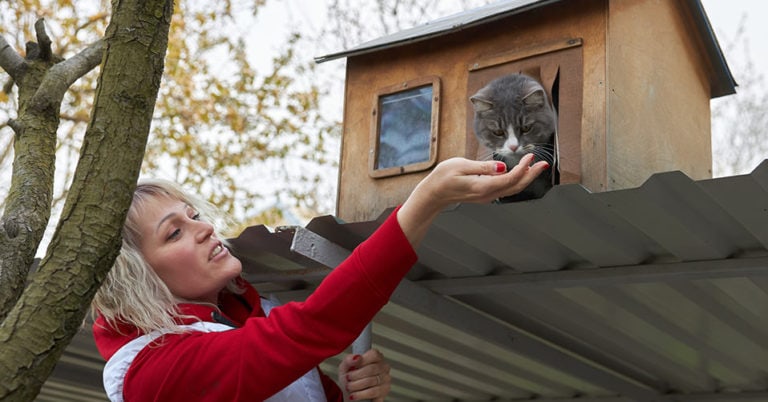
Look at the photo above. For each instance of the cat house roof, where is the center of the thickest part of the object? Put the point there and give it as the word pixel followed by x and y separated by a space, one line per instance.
pixel 722 83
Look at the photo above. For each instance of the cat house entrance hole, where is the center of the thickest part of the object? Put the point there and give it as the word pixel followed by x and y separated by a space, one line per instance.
pixel 558 67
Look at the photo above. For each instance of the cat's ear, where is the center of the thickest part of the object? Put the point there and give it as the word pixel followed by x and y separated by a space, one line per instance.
pixel 536 98
pixel 480 103
pixel 481 100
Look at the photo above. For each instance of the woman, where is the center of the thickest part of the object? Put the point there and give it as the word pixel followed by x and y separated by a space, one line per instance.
pixel 177 323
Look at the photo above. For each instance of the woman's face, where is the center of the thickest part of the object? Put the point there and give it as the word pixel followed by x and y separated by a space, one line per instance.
pixel 183 250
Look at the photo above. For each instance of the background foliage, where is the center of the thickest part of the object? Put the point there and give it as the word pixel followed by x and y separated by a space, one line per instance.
pixel 253 142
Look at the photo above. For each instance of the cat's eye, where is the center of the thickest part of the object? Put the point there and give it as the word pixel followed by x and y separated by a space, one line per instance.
pixel 525 129
pixel 498 133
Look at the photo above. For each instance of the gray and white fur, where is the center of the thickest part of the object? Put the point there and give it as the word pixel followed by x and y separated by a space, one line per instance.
pixel 513 117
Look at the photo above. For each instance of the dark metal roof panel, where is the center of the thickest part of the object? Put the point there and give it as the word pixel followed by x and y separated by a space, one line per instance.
pixel 653 291
pixel 656 293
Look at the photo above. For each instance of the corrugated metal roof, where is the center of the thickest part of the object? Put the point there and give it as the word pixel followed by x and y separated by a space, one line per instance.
pixel 653 293
pixel 724 83
pixel 656 293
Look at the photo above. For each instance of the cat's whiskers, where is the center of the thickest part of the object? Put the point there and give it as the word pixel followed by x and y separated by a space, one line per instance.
pixel 545 152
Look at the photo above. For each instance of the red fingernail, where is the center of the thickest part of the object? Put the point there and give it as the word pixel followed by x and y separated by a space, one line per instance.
pixel 355 357
pixel 351 397
pixel 547 165
pixel 501 167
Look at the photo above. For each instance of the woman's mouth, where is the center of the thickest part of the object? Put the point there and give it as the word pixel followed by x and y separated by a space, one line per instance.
pixel 216 251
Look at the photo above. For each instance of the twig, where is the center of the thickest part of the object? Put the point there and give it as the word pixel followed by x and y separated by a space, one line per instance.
pixel 43 40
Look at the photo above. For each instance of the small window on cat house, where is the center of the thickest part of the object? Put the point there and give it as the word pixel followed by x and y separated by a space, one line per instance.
pixel 404 132
pixel 558 68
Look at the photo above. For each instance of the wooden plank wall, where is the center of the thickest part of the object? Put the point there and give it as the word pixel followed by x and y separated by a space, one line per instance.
pixel 658 97
pixel 645 103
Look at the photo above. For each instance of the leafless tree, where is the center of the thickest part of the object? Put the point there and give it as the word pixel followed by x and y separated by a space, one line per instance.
pixel 740 121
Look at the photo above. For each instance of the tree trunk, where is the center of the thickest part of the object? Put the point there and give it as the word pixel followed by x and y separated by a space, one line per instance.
pixel 29 201
pixel 87 238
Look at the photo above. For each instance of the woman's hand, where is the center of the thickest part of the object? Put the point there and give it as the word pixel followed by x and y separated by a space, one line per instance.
pixel 364 376
pixel 462 180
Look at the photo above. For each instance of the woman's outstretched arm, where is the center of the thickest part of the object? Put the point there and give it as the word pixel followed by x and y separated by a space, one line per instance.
pixel 462 180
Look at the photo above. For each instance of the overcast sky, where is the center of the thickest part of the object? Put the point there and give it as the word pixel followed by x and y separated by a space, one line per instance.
pixel 726 17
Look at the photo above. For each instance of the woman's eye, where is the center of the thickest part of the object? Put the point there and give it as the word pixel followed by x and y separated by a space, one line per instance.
pixel 196 216
pixel 174 234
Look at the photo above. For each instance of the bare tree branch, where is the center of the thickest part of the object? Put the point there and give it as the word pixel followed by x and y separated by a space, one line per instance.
pixel 62 75
pixel 11 61
pixel 23 223
pixel 87 239
pixel 83 62
pixel 44 42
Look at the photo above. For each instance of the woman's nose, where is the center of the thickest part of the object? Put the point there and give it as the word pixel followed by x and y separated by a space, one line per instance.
pixel 203 230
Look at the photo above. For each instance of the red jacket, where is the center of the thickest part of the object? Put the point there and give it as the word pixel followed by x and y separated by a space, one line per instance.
pixel 265 354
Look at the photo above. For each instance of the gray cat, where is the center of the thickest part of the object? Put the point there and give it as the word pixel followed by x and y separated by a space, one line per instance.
pixel 513 117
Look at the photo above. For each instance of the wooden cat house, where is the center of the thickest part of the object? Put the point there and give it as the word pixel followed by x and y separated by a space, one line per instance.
pixel 631 79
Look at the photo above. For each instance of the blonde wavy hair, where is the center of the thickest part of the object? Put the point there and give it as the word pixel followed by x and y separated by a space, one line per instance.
pixel 132 293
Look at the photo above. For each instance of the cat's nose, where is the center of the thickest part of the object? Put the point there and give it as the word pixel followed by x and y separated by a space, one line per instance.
pixel 512 143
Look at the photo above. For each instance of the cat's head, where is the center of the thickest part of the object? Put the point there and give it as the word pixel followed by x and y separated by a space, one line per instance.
pixel 512 112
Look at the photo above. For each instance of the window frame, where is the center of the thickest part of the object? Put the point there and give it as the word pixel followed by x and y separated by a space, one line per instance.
pixel 374 142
